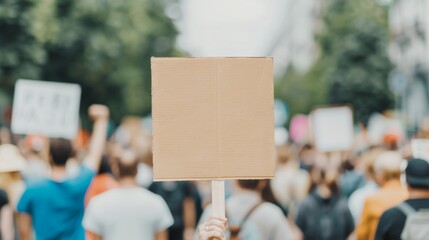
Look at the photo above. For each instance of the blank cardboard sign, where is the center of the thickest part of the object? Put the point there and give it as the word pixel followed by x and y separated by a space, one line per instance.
pixel 47 108
pixel 213 118
pixel 333 129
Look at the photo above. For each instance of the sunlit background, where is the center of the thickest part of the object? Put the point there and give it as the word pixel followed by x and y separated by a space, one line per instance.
pixel 372 55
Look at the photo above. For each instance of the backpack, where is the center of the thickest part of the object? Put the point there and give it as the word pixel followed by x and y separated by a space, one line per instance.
pixel 324 223
pixel 234 230
pixel 416 225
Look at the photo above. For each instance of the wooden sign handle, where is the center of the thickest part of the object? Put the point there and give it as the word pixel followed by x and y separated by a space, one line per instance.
pixel 218 199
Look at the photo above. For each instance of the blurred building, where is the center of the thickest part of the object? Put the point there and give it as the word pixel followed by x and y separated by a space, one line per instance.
pixel 296 45
pixel 409 51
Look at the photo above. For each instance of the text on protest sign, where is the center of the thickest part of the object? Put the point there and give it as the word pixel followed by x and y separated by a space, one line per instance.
pixel 47 108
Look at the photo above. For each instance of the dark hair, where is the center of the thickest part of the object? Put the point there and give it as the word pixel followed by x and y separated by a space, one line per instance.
pixel 321 173
pixel 61 150
pixel 249 184
pixel 267 195
pixel 104 166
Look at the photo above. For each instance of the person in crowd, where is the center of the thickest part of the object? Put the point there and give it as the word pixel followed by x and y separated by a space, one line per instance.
pixel 142 145
pixel 35 154
pixel 213 229
pixel 7 231
pixel 357 199
pixel 324 214
pixel 351 179
pixel 5 136
pixel 54 206
pixel 268 196
pixel 290 183
pixel 11 164
pixel 393 221
pixel 103 182
pixel 387 173
pixel 306 156
pixel 250 217
pixel 184 202
pixel 129 211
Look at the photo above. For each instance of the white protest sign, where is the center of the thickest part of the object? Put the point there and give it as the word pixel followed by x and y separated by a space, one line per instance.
pixel 333 129
pixel 47 108
pixel 420 148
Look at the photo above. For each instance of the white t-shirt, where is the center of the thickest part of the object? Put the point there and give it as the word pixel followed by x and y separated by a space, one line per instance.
pixel 127 213
pixel 357 199
pixel 266 222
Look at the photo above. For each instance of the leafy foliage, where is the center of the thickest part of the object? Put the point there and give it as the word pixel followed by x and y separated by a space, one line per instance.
pixel 103 45
pixel 353 67
pixel 355 44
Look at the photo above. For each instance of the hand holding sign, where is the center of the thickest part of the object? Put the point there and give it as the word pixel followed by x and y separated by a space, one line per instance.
pixel 213 229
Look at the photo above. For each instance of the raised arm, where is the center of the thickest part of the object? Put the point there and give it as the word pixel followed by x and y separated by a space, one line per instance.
pixel 100 115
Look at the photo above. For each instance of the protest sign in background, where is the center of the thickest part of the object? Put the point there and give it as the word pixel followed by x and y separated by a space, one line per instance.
pixel 333 128
pixel 47 108
pixel 420 148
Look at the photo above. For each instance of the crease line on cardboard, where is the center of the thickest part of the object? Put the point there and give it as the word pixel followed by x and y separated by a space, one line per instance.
pixel 217 119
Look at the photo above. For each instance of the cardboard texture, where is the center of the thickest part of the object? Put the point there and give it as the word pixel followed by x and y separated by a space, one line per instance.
pixel 333 129
pixel 47 108
pixel 213 118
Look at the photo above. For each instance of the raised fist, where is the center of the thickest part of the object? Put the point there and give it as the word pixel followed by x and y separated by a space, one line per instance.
pixel 98 112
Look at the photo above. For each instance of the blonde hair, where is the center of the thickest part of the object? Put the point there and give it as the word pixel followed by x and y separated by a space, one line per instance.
pixel 12 183
pixel 283 154
pixel 368 160
pixel 389 165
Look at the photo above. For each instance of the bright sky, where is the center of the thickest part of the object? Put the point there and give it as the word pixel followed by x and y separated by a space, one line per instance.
pixel 230 27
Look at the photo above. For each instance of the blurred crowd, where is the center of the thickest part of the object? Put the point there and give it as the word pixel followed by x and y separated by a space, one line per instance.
pixel 93 188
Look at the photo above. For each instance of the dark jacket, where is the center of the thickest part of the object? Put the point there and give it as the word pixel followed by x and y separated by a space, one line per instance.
pixel 324 219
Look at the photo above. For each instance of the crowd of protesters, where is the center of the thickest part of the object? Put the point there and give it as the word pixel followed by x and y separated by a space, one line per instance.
pixel 100 187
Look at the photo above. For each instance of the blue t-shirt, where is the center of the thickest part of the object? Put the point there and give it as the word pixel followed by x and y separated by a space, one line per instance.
pixel 57 208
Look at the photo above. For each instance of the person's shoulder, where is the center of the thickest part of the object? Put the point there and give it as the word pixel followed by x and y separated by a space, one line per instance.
pixel 309 201
pixel 146 194
pixel 393 213
pixel 103 199
pixel 342 203
pixel 85 170
pixel 109 194
pixel 270 209
pixel 392 217
pixel 375 197
pixel 38 184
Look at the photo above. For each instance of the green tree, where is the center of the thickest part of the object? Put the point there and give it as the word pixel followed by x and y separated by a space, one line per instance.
pixel 353 66
pixel 21 54
pixel 354 44
pixel 302 91
pixel 103 45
